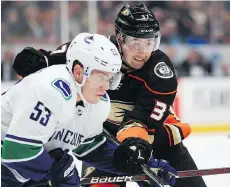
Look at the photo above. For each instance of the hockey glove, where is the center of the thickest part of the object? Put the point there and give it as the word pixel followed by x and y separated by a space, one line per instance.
pixel 132 153
pixel 64 173
pixel 30 60
pixel 163 170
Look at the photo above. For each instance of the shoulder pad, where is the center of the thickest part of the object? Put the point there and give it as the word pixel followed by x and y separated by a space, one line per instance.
pixel 163 71
pixel 160 66
pixel 158 74
pixel 63 87
pixel 61 49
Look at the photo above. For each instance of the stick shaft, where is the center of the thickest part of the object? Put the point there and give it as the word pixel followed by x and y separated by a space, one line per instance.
pixel 135 178
pixel 203 172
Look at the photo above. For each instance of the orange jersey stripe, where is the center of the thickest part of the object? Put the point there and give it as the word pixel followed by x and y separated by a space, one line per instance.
pixel 153 91
pixel 137 132
pixel 185 128
pixel 171 119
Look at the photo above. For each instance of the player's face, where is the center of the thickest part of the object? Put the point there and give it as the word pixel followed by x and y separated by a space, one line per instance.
pixel 137 51
pixel 96 85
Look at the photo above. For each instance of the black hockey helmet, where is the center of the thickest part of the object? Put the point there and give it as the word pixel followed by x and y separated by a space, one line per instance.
pixel 136 21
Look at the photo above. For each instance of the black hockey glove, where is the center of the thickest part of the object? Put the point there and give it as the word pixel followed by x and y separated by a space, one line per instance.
pixel 30 60
pixel 132 153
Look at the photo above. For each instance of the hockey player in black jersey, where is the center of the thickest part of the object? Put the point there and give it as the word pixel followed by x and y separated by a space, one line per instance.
pixel 142 104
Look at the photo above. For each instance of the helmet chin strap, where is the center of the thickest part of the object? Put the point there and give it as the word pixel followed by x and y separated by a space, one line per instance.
pixel 79 88
pixel 81 96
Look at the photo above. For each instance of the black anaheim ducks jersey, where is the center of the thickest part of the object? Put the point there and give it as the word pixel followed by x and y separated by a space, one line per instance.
pixel 143 96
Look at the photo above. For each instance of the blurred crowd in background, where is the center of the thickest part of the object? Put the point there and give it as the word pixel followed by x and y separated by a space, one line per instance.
pixel 181 22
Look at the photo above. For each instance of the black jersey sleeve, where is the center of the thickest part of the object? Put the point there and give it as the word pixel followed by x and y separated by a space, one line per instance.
pixel 58 56
pixel 157 92
pixel 30 60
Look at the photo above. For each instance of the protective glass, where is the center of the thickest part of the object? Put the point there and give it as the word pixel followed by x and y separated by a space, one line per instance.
pixel 141 44
pixel 113 79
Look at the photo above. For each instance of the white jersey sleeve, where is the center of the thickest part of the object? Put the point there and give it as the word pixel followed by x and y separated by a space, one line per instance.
pixel 31 110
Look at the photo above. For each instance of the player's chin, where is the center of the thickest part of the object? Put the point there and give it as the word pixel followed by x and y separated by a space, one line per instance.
pixel 138 65
pixel 94 100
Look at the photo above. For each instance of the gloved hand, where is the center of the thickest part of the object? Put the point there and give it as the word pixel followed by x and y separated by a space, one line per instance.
pixel 164 170
pixel 132 153
pixel 64 173
pixel 29 60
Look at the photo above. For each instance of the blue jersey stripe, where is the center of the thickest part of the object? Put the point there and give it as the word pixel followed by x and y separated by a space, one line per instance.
pixel 23 139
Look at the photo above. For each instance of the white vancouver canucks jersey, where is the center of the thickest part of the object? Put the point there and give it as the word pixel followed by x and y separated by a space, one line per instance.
pixel 40 111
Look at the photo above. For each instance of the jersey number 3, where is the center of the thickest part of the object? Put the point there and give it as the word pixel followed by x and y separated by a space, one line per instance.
pixel 158 111
pixel 37 114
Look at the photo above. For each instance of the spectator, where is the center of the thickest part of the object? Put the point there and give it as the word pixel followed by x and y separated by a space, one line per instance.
pixel 33 27
pixel 195 65
pixel 180 21
pixel 7 73
pixel 13 24
pixel 198 36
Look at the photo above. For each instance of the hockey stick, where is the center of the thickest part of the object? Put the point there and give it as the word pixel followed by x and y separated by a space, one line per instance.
pixel 151 175
pixel 203 172
pixel 135 178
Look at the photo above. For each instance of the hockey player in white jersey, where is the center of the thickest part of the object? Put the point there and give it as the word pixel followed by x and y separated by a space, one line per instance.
pixel 57 109
pixel 63 108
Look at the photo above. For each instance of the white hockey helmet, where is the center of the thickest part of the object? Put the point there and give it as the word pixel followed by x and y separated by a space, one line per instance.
pixel 93 51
